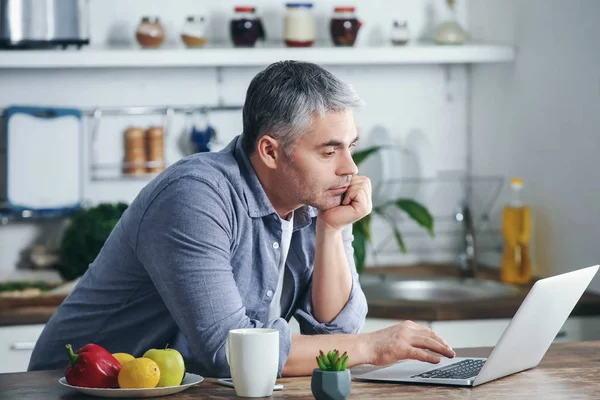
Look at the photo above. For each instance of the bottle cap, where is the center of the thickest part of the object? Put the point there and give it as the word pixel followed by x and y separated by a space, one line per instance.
pixel 344 9
pixel 516 182
pixel 244 9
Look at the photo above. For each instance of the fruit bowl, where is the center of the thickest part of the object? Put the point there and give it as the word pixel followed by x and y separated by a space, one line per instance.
pixel 188 380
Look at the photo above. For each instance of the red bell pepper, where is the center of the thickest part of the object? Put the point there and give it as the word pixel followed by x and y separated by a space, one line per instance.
pixel 92 366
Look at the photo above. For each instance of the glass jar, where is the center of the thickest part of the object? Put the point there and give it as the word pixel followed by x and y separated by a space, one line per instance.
pixel 299 25
pixel 135 151
pixel 150 33
pixel 245 27
pixel 344 26
pixel 155 149
pixel 400 34
pixel 193 32
pixel 450 32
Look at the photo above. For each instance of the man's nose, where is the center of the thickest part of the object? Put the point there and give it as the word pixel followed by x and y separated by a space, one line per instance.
pixel 347 165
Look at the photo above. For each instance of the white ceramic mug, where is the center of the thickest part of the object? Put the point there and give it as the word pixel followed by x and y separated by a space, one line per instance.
pixel 253 357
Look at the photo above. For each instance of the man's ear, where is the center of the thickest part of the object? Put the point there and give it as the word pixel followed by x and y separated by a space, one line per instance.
pixel 269 151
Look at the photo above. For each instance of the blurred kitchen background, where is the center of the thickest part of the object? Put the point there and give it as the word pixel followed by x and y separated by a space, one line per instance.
pixel 463 96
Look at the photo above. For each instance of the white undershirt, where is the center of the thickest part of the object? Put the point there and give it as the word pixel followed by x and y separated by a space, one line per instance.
pixel 287 228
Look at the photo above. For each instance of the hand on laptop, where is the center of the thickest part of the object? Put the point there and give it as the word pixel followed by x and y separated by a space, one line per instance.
pixel 407 340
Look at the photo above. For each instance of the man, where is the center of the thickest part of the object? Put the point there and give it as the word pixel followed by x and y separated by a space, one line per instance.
pixel 247 237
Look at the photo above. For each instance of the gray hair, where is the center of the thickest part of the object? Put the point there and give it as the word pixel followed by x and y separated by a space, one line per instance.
pixel 282 100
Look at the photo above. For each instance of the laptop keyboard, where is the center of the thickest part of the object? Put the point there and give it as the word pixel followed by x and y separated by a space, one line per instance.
pixel 461 370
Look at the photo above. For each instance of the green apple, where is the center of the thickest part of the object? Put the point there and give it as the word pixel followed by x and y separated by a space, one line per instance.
pixel 171 365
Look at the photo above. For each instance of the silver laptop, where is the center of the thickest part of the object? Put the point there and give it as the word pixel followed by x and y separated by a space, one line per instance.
pixel 522 345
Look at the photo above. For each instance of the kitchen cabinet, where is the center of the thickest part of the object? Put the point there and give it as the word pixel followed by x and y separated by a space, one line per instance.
pixel 476 333
pixel 16 346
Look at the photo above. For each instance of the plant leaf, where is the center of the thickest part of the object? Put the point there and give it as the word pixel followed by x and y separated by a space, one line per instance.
pixel 338 365
pixel 360 155
pixel 324 359
pixel 417 212
pixel 398 237
pixel 322 366
pixel 364 224
pixel 359 244
pixel 344 362
pixel 332 359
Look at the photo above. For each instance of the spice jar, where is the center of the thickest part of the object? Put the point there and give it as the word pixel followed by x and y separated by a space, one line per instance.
pixel 135 151
pixel 155 136
pixel 344 26
pixel 193 32
pixel 299 25
pixel 245 28
pixel 150 33
pixel 400 34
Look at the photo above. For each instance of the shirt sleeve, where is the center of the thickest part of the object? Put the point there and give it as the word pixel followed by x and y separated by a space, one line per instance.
pixel 184 241
pixel 351 318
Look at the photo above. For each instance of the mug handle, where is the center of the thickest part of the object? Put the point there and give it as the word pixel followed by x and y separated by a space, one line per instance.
pixel 227 349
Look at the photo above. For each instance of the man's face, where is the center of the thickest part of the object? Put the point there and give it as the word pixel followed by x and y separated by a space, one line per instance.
pixel 320 166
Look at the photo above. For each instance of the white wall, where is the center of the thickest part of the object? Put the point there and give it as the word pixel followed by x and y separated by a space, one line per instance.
pixel 421 108
pixel 539 119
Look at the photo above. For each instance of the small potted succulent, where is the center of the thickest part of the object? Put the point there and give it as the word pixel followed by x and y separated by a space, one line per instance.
pixel 331 381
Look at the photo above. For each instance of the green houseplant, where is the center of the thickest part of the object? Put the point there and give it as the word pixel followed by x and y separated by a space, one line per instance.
pixel 331 380
pixel 85 235
pixel 361 229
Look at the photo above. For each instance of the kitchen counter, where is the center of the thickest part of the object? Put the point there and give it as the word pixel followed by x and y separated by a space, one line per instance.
pixel 28 311
pixel 504 307
pixel 567 371
pixel 39 310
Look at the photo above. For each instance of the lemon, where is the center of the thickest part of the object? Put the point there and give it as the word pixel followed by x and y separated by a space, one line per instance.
pixel 139 373
pixel 122 358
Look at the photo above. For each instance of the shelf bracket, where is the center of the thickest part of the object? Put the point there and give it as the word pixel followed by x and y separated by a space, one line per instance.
pixel 448 79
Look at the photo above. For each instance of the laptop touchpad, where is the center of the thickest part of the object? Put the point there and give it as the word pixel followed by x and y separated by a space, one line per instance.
pixel 406 369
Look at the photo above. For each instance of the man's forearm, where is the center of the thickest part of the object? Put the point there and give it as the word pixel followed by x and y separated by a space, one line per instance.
pixel 332 280
pixel 305 349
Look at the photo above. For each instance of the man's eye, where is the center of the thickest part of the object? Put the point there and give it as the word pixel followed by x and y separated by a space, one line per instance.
pixel 329 153
pixel 352 145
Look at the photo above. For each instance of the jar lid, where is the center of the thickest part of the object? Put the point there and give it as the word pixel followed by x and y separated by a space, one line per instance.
pixel 296 5
pixel 152 20
pixel 344 9
pixel 194 18
pixel 244 9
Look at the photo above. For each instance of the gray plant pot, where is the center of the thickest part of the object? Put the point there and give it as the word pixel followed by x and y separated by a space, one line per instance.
pixel 330 385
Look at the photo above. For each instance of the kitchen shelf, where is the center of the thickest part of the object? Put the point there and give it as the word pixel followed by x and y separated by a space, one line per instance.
pixel 115 170
pixel 9 216
pixel 417 53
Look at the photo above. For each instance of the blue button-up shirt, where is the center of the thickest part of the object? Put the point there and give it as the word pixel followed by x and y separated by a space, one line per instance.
pixel 191 258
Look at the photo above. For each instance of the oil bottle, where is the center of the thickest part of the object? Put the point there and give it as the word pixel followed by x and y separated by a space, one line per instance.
pixel 516 230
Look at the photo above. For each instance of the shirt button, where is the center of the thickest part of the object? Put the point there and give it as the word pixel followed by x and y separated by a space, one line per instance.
pixel 275 245
pixel 269 293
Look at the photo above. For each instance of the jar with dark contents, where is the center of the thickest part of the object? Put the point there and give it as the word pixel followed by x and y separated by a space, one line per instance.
pixel 344 26
pixel 246 27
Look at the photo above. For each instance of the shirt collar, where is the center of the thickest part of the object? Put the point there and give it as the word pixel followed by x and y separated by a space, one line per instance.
pixel 257 202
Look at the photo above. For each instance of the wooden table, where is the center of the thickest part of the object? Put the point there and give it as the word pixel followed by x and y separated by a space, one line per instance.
pixel 568 371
